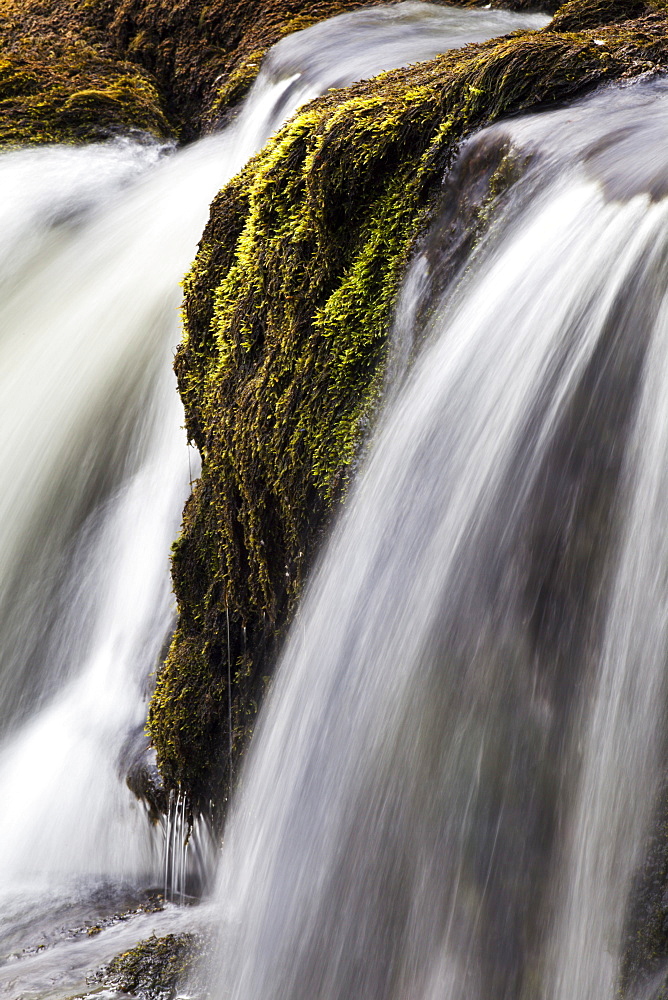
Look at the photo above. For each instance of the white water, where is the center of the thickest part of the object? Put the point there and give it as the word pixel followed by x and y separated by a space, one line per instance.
pixel 96 468
pixel 453 777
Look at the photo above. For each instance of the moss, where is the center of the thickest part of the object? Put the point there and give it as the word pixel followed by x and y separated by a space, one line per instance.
pixel 153 969
pixel 243 62
pixel 190 712
pixel 286 316
pixel 78 70
pixel 59 80
pixel 579 14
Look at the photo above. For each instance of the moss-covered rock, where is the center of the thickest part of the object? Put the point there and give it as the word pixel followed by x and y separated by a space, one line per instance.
pixel 154 968
pixel 82 70
pixel 287 312
pixel 79 70
pixel 60 80
pixel 206 53
pixel 577 15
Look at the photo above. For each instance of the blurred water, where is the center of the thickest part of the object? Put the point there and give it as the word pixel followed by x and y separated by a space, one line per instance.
pixel 453 776
pixel 93 244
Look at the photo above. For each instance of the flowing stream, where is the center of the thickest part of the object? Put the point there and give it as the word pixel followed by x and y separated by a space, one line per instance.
pixel 456 772
pixel 96 468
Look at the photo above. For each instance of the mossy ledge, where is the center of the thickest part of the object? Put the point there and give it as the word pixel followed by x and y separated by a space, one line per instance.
pixel 82 70
pixel 154 969
pixel 204 54
pixel 286 314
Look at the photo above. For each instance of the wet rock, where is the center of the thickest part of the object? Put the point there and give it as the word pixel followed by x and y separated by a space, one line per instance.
pixel 139 764
pixel 294 286
pixel 155 968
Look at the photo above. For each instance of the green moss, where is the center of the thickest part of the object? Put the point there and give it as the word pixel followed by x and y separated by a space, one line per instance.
pixel 287 310
pixel 190 712
pixel 153 969
pixel 282 19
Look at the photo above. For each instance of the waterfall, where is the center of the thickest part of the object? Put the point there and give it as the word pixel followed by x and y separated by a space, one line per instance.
pixel 454 773
pixel 94 243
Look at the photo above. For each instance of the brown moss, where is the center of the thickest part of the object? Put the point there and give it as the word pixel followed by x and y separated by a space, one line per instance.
pixel 577 15
pixel 60 80
pixel 287 310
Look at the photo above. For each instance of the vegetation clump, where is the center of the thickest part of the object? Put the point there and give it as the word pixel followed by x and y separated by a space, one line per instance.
pixel 154 968
pixel 60 80
pixel 286 317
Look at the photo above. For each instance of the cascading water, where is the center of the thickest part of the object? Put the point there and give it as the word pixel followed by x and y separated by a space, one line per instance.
pixel 94 243
pixel 454 774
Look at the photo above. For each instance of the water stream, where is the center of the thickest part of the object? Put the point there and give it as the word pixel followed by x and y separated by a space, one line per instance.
pixel 454 776
pixel 95 471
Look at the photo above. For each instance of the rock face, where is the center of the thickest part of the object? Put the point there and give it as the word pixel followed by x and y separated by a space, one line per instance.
pixel 287 311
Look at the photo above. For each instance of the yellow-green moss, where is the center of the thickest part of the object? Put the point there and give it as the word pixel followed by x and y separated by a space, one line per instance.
pixel 286 316
pixel 79 70
pixel 281 18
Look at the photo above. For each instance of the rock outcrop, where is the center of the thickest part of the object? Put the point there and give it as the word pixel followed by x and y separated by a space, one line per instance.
pixel 287 311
